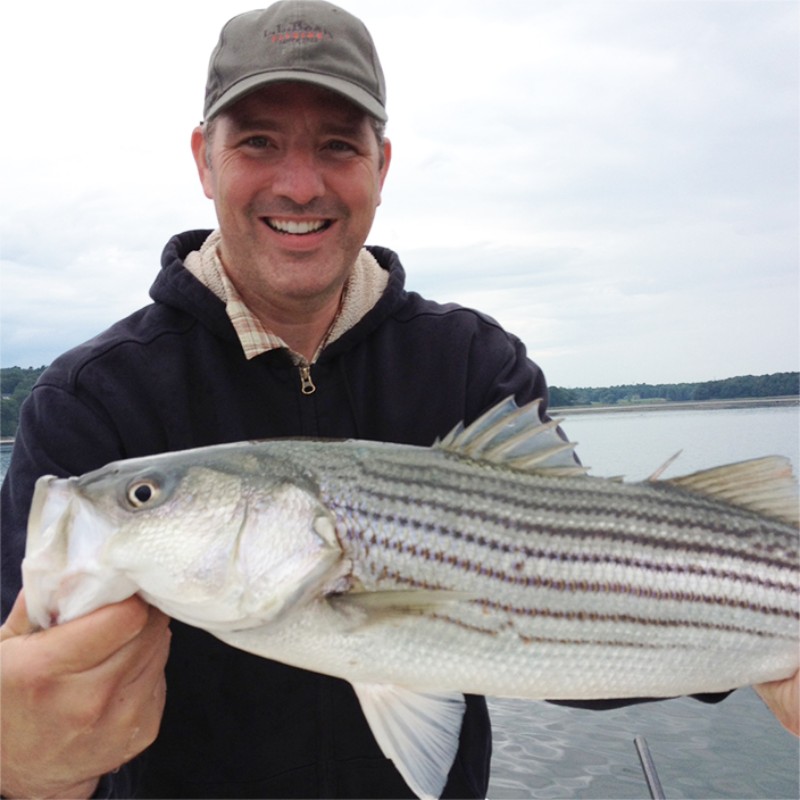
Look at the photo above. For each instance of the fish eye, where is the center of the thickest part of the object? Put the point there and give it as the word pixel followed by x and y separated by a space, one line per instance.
pixel 142 492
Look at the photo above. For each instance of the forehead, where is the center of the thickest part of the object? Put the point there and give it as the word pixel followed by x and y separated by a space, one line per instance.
pixel 293 101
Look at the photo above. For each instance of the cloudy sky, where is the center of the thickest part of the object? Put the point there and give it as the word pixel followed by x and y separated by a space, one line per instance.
pixel 616 181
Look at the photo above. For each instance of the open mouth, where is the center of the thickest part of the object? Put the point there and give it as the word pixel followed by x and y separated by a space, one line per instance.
pixel 298 227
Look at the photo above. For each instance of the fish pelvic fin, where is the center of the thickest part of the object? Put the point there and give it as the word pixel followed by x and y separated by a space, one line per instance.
pixel 515 437
pixel 765 485
pixel 418 731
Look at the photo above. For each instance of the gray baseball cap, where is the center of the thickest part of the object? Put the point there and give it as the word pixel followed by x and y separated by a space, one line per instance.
pixel 296 40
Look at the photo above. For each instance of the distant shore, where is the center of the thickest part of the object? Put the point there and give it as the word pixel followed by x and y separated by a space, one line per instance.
pixel 690 405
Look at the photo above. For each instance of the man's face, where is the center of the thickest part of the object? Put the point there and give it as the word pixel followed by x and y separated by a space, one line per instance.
pixel 296 174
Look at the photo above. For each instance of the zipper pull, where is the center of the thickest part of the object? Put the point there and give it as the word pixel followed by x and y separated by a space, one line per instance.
pixel 306 384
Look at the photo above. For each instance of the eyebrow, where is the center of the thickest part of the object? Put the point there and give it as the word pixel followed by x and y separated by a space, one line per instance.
pixel 350 126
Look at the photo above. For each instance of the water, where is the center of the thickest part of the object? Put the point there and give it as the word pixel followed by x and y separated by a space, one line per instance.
pixel 635 443
pixel 5 458
pixel 734 749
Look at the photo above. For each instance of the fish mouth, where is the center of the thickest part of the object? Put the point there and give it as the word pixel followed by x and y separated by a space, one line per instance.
pixel 46 547
pixel 63 574
pixel 295 227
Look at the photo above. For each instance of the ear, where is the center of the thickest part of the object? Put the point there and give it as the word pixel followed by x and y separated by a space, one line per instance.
pixel 387 157
pixel 202 160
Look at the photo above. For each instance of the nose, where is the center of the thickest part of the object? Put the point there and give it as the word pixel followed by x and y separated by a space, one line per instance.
pixel 299 177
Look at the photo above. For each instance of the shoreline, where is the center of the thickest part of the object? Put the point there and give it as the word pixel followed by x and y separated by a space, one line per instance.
pixel 682 405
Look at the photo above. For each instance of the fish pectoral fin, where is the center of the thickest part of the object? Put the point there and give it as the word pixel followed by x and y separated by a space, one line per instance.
pixel 368 608
pixel 418 731
pixel 764 485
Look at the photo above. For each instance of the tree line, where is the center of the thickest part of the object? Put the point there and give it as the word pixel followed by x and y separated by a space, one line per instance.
pixel 778 384
pixel 16 384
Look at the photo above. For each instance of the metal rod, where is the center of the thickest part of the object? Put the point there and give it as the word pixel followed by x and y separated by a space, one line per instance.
pixel 649 768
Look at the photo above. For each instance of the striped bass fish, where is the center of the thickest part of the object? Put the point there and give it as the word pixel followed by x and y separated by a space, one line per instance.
pixel 489 564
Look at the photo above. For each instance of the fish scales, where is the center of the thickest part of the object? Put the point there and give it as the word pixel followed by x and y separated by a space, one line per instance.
pixel 602 496
pixel 592 578
pixel 533 497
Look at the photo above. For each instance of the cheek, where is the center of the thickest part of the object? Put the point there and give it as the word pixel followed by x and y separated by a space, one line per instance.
pixel 233 190
pixel 233 182
pixel 362 195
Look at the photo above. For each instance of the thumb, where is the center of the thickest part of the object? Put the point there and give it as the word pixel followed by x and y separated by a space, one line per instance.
pixel 17 622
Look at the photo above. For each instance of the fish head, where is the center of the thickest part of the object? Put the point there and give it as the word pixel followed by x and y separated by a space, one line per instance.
pixel 223 541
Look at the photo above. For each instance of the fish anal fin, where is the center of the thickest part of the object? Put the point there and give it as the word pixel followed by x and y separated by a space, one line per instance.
pixel 514 437
pixel 418 731
pixel 764 485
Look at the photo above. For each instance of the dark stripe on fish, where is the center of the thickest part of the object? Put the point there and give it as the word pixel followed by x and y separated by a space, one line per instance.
pixel 574 533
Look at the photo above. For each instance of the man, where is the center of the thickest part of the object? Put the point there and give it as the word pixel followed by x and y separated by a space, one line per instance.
pixel 278 324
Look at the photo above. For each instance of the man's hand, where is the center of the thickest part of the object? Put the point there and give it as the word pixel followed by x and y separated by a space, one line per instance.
pixel 783 700
pixel 80 699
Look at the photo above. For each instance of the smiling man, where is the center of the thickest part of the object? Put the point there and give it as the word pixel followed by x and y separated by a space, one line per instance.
pixel 279 323
pixel 296 173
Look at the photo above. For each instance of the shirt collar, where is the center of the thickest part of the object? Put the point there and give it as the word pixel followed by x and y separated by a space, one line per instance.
pixel 364 288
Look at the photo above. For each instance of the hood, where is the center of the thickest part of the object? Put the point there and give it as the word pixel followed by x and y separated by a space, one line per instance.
pixel 175 286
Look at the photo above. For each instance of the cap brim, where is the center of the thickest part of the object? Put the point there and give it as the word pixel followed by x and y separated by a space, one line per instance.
pixel 355 94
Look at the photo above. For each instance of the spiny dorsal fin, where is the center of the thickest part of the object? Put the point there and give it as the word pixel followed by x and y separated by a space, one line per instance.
pixel 514 437
pixel 764 485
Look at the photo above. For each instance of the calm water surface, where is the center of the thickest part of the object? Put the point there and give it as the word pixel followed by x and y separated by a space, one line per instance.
pixel 734 749
pixel 5 457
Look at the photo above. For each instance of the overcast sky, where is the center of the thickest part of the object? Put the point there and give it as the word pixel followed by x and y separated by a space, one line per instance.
pixel 615 181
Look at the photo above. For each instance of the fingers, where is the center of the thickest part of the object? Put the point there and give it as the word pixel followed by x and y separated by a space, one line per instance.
pixel 86 642
pixel 154 641
pixel 783 699
pixel 17 622
pixel 82 698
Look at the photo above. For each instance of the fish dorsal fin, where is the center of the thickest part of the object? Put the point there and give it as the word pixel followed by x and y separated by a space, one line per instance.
pixel 514 437
pixel 764 485
pixel 418 731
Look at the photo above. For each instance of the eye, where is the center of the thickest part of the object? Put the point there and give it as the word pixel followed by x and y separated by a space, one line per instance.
pixel 340 146
pixel 257 142
pixel 143 492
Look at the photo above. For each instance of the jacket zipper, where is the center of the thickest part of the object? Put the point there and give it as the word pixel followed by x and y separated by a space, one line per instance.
pixel 306 384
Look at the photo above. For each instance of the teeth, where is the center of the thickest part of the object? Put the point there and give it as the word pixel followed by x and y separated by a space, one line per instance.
pixel 297 228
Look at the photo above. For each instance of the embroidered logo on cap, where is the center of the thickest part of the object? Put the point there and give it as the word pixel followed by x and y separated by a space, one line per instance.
pixel 298 31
